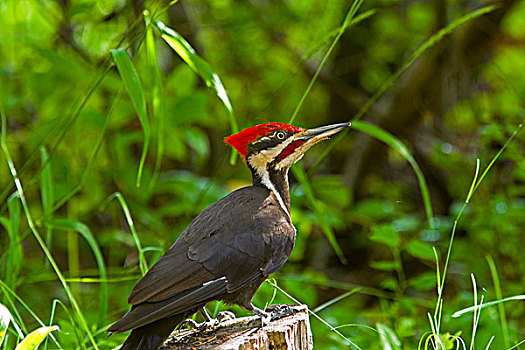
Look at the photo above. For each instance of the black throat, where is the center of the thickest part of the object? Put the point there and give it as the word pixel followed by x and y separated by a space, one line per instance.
pixel 279 180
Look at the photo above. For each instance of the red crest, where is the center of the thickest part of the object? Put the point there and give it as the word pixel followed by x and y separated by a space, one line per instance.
pixel 241 139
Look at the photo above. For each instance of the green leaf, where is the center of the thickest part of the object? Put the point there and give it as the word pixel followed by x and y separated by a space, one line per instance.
pixel 397 145
pixel 386 235
pixel 389 283
pixel 201 67
pixel 389 339
pixel 384 265
pixel 198 65
pixel 16 253
pixel 47 191
pixel 158 115
pixel 46 182
pixel 420 250
pixel 70 225
pixel 198 141
pixel 131 81
pixel 423 282
pixel 33 340
pixel 449 340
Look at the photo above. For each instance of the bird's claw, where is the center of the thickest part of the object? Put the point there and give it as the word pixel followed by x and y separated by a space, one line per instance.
pixel 279 311
pixel 265 316
pixel 209 321
pixel 265 320
pixel 225 316
pixel 203 325
pixel 192 323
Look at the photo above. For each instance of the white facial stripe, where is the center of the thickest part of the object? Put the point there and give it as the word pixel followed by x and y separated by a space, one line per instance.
pixel 259 162
pixel 265 179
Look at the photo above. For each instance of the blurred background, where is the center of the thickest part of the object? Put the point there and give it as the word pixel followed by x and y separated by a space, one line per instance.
pixel 73 135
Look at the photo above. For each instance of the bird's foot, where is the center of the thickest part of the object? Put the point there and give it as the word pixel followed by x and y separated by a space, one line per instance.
pixel 208 320
pixel 225 316
pixel 265 316
pixel 278 311
pixel 192 324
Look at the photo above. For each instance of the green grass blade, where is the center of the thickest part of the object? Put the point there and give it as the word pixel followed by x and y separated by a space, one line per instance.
pixel 33 339
pixel 143 265
pixel 38 237
pixel 52 317
pixel 397 145
pixel 85 232
pixel 131 81
pixel 474 182
pixel 16 254
pixel 471 193
pixel 493 160
pixel 8 292
pixel 158 115
pixel 482 306
pixel 198 65
pixel 433 40
pixel 332 328
pixel 517 345
pixel 201 68
pixel 334 33
pixel 46 182
pixel 499 295
pixel 455 225
pixel 336 299
pixel 65 198
pixel 346 23
pixel 47 192
pixel 430 42
pixel 300 175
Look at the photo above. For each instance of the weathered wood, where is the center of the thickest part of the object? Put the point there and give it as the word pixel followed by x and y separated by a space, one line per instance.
pixel 290 330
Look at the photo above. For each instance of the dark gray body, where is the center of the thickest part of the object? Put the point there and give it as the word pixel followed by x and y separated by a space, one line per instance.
pixel 225 254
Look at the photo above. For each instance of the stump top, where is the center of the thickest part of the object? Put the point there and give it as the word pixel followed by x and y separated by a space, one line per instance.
pixel 289 331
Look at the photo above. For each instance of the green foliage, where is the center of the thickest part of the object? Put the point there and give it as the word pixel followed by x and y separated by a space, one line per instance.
pixel 132 84
pixel 92 90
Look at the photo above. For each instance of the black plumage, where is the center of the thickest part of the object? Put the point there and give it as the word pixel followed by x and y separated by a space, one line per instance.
pixel 230 248
pixel 223 252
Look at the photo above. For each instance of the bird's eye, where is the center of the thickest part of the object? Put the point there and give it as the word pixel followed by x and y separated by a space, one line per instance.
pixel 280 135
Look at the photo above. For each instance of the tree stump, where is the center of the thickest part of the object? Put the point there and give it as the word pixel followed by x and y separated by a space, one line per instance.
pixel 288 330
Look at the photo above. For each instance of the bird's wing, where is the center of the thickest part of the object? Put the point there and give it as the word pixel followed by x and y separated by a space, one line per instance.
pixel 256 238
pixel 146 313
pixel 173 274
pixel 226 240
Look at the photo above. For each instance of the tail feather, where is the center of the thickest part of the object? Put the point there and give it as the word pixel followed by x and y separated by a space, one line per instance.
pixel 152 335
pixel 148 312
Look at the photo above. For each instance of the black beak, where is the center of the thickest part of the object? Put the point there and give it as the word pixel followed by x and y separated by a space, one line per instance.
pixel 322 132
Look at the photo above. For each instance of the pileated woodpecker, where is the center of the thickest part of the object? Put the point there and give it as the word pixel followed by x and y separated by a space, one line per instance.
pixel 230 248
